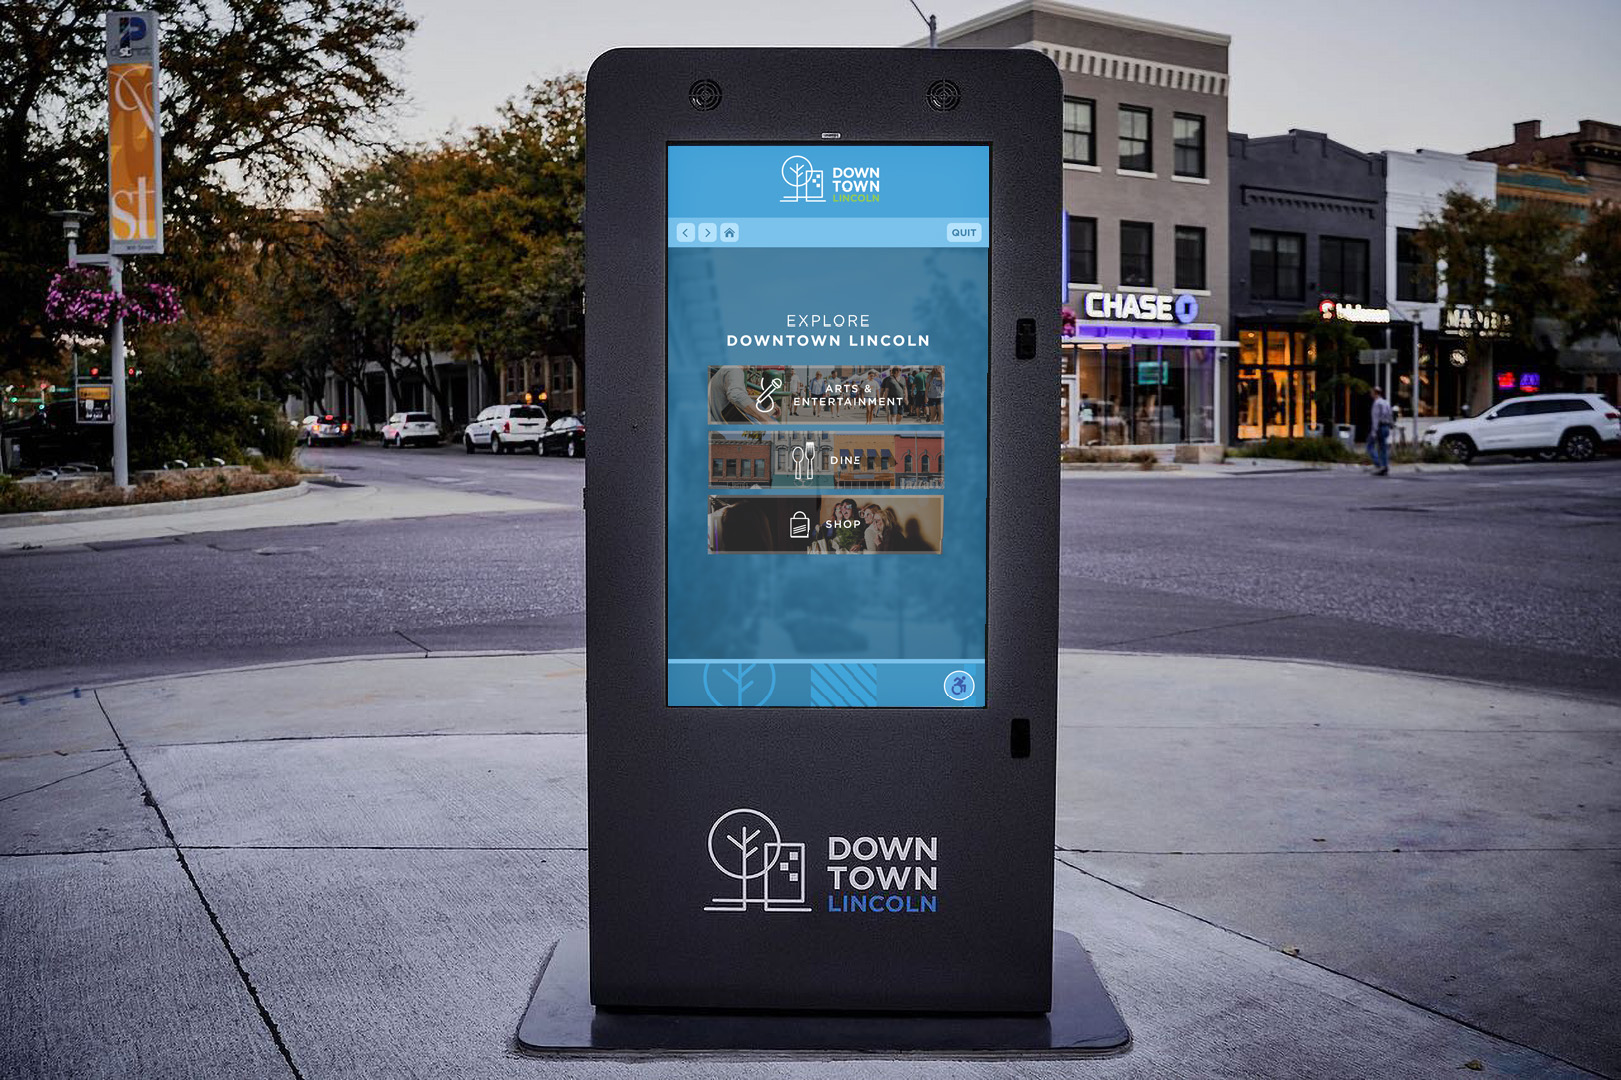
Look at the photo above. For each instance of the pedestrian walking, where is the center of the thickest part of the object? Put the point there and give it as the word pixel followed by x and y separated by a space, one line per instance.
pixel 796 390
pixel 1380 421
pixel 818 387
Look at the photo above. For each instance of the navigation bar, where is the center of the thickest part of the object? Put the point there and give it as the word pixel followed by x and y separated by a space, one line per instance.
pixel 802 232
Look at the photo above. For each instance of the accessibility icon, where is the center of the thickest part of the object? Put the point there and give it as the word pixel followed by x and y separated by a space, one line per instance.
pixel 959 686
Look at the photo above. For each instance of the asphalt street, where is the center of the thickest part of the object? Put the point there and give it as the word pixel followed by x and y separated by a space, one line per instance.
pixel 1505 572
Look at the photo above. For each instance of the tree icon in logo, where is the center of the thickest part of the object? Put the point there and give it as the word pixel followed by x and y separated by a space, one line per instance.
pixel 795 171
pixel 738 845
pixel 799 174
pixel 745 845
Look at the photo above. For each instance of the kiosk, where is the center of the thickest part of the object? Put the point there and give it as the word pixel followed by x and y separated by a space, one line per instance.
pixel 821 695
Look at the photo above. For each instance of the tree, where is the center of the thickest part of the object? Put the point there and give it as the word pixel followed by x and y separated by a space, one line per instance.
pixel 1334 356
pixel 1517 262
pixel 258 97
pixel 1598 298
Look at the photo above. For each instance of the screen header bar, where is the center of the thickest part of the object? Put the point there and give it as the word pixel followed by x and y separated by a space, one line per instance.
pixel 828 181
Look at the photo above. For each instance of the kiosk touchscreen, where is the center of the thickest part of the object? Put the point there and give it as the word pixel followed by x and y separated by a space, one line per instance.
pixel 821 529
pixel 827 320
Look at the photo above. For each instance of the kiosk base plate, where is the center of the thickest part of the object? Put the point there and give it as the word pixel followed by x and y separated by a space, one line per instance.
pixel 561 1021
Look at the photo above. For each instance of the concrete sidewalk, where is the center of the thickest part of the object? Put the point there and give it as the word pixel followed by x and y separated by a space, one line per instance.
pixel 321 505
pixel 356 867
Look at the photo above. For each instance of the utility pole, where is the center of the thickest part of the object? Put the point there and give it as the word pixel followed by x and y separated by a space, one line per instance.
pixel 929 19
pixel 115 272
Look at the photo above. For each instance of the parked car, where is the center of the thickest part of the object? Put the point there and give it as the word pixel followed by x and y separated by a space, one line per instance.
pixel 506 428
pixel 54 436
pixel 566 436
pixel 1573 426
pixel 407 428
pixel 326 428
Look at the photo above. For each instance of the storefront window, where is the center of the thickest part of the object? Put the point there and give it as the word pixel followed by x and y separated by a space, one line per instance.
pixel 1274 386
pixel 1125 395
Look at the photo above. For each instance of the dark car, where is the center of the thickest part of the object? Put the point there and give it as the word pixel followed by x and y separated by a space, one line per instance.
pixel 54 436
pixel 327 428
pixel 565 437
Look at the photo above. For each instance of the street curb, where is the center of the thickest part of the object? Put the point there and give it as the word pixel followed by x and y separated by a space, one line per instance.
pixel 177 506
pixel 1288 465
pixel 1116 466
pixel 419 654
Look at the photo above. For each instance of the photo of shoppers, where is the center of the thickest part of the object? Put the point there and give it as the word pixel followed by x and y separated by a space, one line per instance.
pixel 772 394
pixel 824 525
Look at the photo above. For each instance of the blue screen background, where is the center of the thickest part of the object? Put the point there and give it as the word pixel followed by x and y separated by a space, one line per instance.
pixel 770 629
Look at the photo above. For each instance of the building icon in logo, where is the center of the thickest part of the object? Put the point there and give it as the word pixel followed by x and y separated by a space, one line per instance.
pixel 805 178
pixel 745 846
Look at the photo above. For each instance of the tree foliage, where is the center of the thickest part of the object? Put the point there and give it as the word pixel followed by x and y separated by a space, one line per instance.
pixel 1598 301
pixel 1334 347
pixel 258 96
pixel 471 247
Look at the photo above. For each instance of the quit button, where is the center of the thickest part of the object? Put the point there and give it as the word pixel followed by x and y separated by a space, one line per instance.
pixel 965 232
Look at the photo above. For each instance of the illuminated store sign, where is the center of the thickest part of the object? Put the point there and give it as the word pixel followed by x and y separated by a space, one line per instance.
pixel 1481 322
pixel 1332 309
pixel 1142 307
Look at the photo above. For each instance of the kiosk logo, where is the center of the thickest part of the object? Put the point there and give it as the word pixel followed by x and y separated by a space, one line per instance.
pixel 745 845
pixel 805 178
pixel 872 875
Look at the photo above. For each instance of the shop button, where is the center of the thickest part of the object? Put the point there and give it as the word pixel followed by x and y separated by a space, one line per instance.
pixel 965 232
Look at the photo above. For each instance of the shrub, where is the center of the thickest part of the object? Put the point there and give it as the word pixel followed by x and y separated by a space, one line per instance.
pixel 1312 449
pixel 1101 455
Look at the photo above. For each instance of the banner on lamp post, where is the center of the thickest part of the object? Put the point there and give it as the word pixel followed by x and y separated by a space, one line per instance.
pixel 134 144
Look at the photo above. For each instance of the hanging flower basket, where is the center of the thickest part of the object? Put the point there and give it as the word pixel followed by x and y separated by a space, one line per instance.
pixel 1069 322
pixel 81 298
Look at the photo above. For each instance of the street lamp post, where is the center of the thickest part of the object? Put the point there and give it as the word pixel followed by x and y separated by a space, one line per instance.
pixel 928 19
pixel 115 273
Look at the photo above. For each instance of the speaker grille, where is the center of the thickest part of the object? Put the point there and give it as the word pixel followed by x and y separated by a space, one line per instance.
pixel 943 95
pixel 704 94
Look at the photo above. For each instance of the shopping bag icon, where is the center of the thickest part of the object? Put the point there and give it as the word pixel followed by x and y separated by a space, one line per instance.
pixel 799 526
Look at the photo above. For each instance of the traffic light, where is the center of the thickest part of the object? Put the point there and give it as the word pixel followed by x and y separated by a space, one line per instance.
pixel 95 372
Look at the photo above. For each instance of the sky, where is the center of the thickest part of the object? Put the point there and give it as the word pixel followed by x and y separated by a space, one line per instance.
pixel 1377 74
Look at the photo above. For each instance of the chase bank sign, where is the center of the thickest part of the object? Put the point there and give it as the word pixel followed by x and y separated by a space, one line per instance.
pixel 1140 307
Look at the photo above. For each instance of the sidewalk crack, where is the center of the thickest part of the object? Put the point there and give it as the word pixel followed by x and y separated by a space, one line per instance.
pixel 1375 987
pixel 202 898
pixel 415 644
pixel 58 780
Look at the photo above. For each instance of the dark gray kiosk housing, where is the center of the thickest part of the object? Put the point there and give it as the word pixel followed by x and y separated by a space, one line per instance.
pixel 822 790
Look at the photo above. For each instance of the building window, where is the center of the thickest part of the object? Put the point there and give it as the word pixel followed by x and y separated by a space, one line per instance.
pixel 925 456
pixel 1136 253
pixel 940 463
pixel 1136 139
pixel 1189 257
pixel 1277 266
pixel 731 466
pixel 1080 117
pixel 1344 271
pixel 883 461
pixel 1415 276
pixel 908 460
pixel 1083 250
pixel 1187 133
pixel 715 467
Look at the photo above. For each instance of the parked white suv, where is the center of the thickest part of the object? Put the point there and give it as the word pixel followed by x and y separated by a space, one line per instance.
pixel 506 428
pixel 405 428
pixel 1574 426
